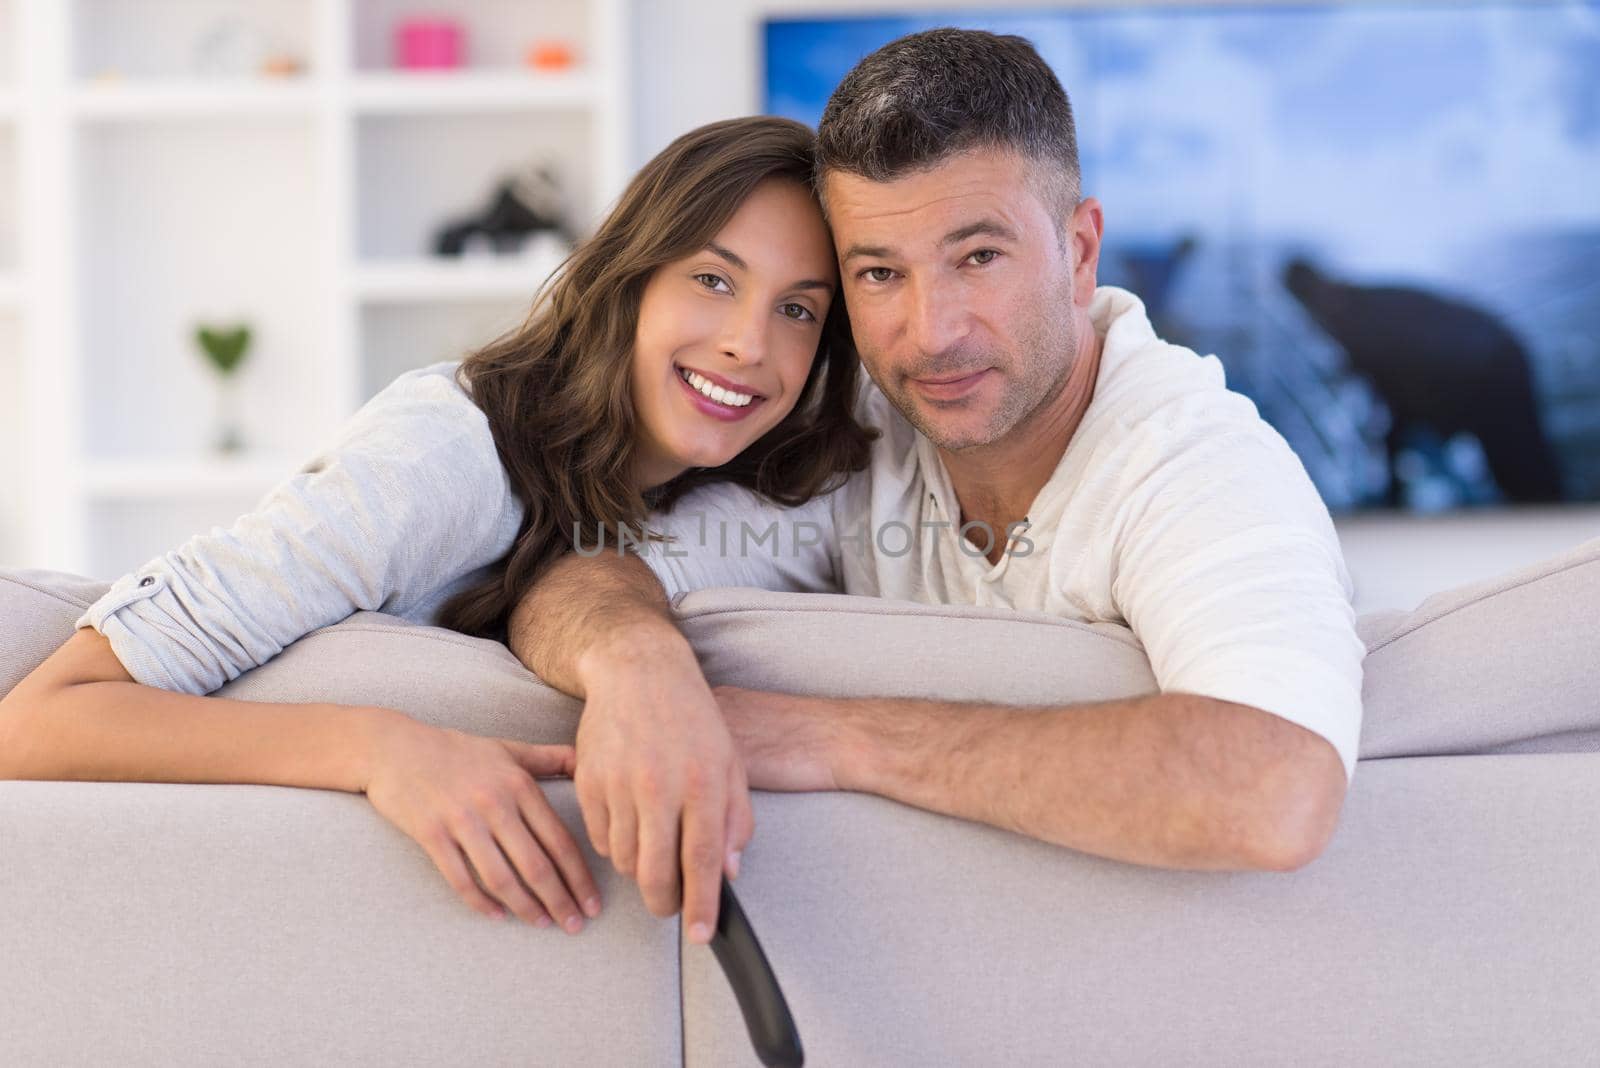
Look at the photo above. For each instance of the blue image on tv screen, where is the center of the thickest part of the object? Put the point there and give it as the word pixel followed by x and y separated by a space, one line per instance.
pixel 1384 221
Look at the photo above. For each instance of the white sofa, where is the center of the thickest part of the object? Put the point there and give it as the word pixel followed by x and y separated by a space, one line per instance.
pixel 1451 920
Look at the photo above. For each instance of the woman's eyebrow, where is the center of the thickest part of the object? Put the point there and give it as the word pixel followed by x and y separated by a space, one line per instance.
pixel 738 261
pixel 729 255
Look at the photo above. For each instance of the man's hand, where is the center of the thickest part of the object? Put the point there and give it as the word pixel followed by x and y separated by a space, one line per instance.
pixel 654 757
pixel 786 742
pixel 657 778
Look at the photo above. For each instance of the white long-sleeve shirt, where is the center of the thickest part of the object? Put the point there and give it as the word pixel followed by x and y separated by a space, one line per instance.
pixel 1176 511
pixel 404 508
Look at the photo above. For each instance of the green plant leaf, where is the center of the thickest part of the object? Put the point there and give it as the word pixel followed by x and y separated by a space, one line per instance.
pixel 225 349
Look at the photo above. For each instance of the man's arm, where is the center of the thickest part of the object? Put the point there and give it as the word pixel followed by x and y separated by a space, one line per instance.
pixel 1169 780
pixel 589 610
pixel 586 610
pixel 660 785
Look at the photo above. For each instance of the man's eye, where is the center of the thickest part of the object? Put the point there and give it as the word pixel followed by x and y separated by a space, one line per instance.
pixel 797 311
pixel 710 281
pixel 878 274
pixel 983 255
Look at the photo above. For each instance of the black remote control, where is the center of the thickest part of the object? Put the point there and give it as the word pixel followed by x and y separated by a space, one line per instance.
pixel 766 1013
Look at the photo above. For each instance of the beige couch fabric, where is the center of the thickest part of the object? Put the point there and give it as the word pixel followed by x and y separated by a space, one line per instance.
pixel 1505 665
pixel 155 924
pixel 163 923
pixel 1450 922
pixel 1447 921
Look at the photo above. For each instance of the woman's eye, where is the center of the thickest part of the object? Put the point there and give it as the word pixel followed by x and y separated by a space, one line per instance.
pixel 878 274
pixel 797 311
pixel 711 281
pixel 983 255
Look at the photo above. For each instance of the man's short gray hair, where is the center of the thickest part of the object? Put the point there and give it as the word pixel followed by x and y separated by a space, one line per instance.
pixel 925 97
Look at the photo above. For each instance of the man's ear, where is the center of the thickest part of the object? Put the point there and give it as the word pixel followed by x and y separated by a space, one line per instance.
pixel 1084 228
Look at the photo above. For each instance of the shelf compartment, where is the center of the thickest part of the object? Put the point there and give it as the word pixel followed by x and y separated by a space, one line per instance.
pixel 231 220
pixel 165 39
pixel 419 172
pixel 396 338
pixel 497 35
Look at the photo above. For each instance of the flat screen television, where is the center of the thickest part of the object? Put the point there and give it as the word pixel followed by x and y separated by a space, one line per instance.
pixel 1384 221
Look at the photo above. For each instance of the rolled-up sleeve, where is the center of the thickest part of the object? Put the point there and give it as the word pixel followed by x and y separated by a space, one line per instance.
pixel 1229 571
pixel 411 497
pixel 726 535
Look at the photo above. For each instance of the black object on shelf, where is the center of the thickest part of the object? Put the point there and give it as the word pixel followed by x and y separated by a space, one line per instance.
pixel 766 1013
pixel 509 220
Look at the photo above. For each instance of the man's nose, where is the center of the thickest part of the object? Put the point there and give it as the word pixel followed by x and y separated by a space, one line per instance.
pixel 937 317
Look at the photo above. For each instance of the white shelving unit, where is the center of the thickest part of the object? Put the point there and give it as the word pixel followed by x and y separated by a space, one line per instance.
pixel 13 294
pixel 145 189
pixel 451 94
pixel 181 99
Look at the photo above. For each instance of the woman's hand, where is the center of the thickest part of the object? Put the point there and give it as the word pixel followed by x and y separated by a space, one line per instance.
pixel 457 793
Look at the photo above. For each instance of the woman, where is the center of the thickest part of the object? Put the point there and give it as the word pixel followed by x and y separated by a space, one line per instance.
pixel 698 335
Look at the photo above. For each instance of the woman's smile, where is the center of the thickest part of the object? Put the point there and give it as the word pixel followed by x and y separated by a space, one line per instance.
pixel 713 399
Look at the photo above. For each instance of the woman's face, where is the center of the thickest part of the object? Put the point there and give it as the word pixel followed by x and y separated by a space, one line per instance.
pixel 727 334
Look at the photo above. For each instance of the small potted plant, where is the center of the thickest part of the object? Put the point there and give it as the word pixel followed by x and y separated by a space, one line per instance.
pixel 225 350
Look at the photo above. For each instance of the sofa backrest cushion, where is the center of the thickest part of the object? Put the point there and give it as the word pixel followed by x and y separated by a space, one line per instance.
pixel 1506 665
pixel 435 675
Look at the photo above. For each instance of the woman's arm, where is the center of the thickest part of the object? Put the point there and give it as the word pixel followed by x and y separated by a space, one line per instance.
pixel 79 716
pixel 408 499
pixel 471 802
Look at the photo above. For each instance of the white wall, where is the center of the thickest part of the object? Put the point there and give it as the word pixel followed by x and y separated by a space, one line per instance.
pixel 1397 560
pixel 697 62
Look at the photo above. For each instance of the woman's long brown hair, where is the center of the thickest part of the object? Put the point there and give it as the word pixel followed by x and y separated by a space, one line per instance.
pixel 556 390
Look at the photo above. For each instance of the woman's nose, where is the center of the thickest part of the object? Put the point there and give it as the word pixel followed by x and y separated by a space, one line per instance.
pixel 745 334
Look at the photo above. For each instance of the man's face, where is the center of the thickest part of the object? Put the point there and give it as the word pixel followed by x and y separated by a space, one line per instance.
pixel 963 299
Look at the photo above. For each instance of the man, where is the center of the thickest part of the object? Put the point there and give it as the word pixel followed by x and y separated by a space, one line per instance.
pixel 1048 452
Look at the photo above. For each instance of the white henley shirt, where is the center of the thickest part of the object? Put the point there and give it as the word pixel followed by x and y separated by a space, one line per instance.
pixel 1176 511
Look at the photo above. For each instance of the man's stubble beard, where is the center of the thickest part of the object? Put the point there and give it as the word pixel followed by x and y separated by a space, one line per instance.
pixel 1038 381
